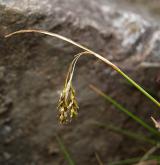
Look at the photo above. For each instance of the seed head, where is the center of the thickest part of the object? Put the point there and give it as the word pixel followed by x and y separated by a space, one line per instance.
pixel 67 106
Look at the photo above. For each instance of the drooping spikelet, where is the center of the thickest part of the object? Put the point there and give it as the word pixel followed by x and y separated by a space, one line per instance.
pixel 67 105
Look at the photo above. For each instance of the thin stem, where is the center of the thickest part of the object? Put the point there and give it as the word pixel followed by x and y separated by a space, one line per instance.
pixel 68 81
pixel 149 153
pixel 98 159
pixel 96 55
pixel 73 64
pixel 64 150
pixel 138 87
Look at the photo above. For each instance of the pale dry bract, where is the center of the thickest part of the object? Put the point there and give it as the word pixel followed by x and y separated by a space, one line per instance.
pixel 157 123
pixel 67 103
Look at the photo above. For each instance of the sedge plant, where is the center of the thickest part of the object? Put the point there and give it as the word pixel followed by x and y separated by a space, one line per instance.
pixel 67 105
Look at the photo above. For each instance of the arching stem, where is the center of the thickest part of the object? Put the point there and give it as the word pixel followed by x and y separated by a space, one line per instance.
pixel 96 55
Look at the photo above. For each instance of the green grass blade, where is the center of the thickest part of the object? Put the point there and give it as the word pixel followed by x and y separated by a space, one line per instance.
pixel 138 87
pixel 132 135
pixel 126 111
pixel 64 150
pixel 134 160
pixel 98 159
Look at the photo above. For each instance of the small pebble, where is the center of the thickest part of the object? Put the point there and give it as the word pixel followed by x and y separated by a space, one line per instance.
pixel 6 155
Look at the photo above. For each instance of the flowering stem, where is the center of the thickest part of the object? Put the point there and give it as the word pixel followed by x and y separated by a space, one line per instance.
pixel 96 55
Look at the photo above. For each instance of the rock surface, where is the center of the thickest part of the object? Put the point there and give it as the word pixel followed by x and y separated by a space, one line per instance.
pixel 33 68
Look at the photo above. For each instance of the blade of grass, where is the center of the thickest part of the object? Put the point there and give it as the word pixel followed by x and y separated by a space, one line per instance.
pixel 98 159
pixel 96 55
pixel 64 150
pixel 134 160
pixel 126 111
pixel 150 152
pixel 139 87
pixel 132 135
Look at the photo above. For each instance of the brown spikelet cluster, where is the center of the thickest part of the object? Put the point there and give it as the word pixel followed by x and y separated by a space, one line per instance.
pixel 67 105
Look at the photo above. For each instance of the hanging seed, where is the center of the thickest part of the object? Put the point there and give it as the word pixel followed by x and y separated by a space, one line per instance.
pixel 67 105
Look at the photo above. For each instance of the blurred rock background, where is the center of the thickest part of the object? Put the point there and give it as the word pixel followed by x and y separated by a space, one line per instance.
pixel 33 68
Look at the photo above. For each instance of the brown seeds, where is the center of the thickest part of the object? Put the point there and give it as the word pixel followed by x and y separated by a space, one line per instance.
pixel 67 106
